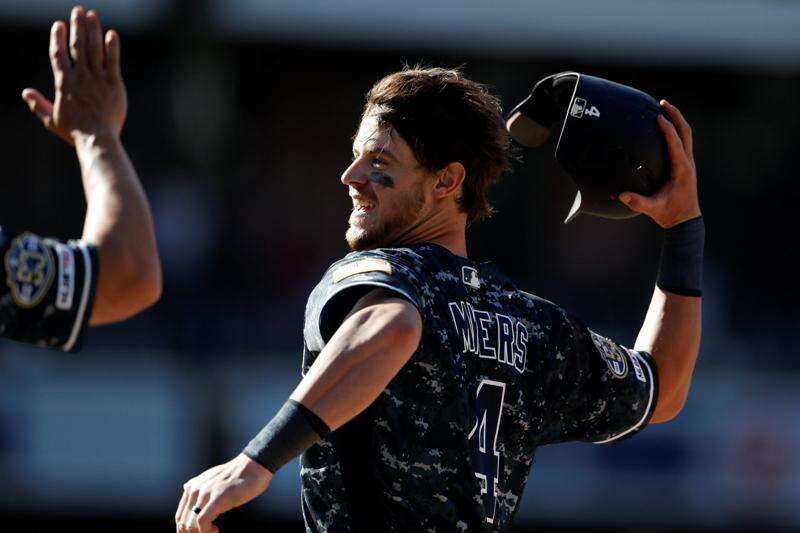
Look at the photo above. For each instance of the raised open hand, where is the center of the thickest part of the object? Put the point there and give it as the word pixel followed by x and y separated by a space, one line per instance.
pixel 90 96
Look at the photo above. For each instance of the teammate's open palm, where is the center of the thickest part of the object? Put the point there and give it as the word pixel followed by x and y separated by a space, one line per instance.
pixel 90 95
pixel 218 490
pixel 676 201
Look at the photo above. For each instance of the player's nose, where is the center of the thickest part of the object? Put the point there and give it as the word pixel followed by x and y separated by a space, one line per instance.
pixel 354 175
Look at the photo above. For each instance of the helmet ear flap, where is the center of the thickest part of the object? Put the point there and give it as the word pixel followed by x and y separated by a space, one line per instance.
pixel 534 119
pixel 526 131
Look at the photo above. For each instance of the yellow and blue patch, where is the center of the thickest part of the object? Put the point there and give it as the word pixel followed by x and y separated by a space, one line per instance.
pixel 612 354
pixel 30 270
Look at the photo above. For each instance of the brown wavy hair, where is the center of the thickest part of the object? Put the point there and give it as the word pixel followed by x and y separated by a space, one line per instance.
pixel 445 117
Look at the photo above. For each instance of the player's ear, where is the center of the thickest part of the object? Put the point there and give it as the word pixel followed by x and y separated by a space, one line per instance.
pixel 449 180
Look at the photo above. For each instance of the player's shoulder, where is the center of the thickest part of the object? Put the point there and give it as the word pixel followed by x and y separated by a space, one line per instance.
pixel 349 278
pixel 403 256
pixel 539 302
pixel 402 269
pixel 405 262
pixel 545 311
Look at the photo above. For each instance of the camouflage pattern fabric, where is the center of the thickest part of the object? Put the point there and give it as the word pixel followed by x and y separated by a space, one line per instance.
pixel 449 444
pixel 47 290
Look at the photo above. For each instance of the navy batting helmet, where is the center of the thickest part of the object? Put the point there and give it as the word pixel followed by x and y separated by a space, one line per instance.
pixel 610 141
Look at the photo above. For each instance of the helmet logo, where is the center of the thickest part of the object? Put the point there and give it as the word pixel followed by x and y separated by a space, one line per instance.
pixel 578 106
pixel 579 109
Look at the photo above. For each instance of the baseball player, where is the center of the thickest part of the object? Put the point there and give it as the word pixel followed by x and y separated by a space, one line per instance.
pixel 52 289
pixel 430 379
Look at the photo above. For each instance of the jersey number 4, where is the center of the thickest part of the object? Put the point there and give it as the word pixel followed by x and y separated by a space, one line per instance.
pixel 489 406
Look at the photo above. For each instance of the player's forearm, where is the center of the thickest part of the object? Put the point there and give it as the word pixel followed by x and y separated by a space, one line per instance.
pixel 671 330
pixel 360 360
pixel 119 223
pixel 671 334
pixel 364 354
pixel 355 386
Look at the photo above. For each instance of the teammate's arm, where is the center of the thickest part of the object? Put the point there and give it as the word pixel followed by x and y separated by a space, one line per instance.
pixel 88 111
pixel 672 326
pixel 373 343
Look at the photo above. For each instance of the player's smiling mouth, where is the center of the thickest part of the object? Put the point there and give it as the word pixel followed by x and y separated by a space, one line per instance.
pixel 361 205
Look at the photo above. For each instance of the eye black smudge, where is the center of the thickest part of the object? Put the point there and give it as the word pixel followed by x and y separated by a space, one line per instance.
pixel 381 179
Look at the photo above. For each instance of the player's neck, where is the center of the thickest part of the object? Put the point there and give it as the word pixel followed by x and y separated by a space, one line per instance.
pixel 446 231
pixel 457 244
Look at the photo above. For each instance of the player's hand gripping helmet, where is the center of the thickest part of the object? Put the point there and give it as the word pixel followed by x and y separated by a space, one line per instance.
pixel 610 141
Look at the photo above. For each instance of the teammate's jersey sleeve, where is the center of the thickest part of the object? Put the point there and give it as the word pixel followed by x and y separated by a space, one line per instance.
pixel 346 281
pixel 596 390
pixel 47 291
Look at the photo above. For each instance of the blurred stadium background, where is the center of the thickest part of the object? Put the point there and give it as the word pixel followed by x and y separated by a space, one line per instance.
pixel 241 113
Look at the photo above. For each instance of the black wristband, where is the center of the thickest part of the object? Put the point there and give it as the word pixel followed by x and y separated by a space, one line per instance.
pixel 681 268
pixel 291 432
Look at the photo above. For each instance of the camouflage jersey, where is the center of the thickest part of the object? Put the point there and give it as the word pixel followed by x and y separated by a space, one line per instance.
pixel 449 443
pixel 47 290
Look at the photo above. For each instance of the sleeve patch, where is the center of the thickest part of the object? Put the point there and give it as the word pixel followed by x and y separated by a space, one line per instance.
pixel 361 266
pixel 29 270
pixel 637 366
pixel 612 354
pixel 65 292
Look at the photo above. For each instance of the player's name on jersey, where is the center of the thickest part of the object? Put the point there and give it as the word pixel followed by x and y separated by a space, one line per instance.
pixel 491 335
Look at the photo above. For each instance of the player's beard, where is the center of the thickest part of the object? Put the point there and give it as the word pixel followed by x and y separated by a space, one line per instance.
pixel 393 226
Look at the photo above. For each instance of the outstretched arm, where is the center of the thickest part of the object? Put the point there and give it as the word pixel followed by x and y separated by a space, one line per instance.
pixel 672 326
pixel 88 112
pixel 370 347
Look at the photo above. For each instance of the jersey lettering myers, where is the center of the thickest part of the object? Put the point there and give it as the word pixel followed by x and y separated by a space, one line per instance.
pixel 47 291
pixel 449 443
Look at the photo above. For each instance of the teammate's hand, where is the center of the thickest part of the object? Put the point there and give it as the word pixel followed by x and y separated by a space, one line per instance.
pixel 218 490
pixel 676 201
pixel 90 94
